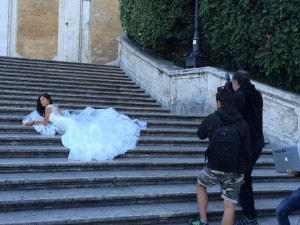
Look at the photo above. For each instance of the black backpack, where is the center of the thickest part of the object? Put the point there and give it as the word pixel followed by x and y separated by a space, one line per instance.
pixel 224 147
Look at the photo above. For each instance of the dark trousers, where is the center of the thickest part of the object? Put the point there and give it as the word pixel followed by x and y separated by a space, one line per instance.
pixel 290 204
pixel 246 192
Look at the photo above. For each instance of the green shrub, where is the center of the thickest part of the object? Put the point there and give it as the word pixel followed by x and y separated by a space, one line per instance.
pixel 164 27
pixel 261 36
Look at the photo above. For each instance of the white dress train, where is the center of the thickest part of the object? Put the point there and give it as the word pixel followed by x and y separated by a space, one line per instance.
pixel 93 134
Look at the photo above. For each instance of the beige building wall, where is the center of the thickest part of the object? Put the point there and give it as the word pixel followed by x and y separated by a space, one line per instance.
pixel 37 33
pixel 105 27
pixel 67 30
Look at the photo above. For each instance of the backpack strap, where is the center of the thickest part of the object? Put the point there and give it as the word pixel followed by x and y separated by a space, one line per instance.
pixel 218 121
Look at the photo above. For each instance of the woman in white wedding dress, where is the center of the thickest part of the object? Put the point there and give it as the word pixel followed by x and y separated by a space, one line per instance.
pixel 93 134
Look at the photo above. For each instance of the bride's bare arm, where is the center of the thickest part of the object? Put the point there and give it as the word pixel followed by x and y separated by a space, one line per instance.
pixel 46 119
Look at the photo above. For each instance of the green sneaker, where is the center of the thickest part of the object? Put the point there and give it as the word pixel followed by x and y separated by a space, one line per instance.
pixel 197 222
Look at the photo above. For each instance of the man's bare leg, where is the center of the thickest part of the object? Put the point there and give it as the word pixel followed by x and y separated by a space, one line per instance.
pixel 202 199
pixel 229 213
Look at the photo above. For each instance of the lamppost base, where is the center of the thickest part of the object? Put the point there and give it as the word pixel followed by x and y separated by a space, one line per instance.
pixel 195 61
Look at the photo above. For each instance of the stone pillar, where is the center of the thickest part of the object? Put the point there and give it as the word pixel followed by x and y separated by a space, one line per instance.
pixel 5 27
pixel 8 27
pixel 69 30
pixel 84 32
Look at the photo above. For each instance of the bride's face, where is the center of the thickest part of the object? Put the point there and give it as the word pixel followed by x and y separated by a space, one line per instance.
pixel 44 101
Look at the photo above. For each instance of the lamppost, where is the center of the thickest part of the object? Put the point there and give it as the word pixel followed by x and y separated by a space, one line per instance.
pixel 196 59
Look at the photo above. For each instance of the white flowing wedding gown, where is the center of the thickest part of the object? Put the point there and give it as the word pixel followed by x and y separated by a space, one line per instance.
pixel 93 134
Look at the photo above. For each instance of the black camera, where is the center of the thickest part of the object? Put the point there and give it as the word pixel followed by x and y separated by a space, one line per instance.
pixel 227 85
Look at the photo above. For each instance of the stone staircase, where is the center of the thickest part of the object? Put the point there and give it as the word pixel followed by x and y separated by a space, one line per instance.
pixel 152 184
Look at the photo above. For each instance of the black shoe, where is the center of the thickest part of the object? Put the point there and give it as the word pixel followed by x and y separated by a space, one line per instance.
pixel 244 220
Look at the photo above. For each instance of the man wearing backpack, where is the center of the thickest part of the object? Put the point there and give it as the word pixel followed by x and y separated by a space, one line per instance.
pixel 229 156
pixel 249 102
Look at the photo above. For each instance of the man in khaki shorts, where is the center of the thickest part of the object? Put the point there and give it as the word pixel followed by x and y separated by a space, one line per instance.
pixel 228 154
pixel 230 183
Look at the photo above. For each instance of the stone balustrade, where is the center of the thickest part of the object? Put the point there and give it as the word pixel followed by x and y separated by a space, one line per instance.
pixel 192 91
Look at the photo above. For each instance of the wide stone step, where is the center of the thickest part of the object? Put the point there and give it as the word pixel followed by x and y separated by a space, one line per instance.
pixel 17 120
pixel 62 72
pixel 144 140
pixel 77 91
pixel 94 178
pixel 62 85
pixel 40 151
pixel 103 177
pixel 150 131
pixel 19 129
pixel 119 163
pixel 46 87
pixel 152 123
pixel 155 213
pixel 45 64
pixel 13 78
pixel 36 139
pixel 127 108
pixel 33 94
pixel 33 151
pixel 123 195
pixel 19 113
pixel 22 102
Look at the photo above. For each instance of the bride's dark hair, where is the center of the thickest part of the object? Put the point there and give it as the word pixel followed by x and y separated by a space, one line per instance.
pixel 39 108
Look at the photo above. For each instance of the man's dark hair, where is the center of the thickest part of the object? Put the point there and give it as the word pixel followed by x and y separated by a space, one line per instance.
pixel 242 77
pixel 224 96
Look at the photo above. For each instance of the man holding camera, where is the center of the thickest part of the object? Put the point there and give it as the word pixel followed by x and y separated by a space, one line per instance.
pixel 248 100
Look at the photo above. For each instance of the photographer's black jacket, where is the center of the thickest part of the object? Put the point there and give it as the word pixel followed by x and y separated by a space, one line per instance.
pixel 229 114
pixel 249 103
